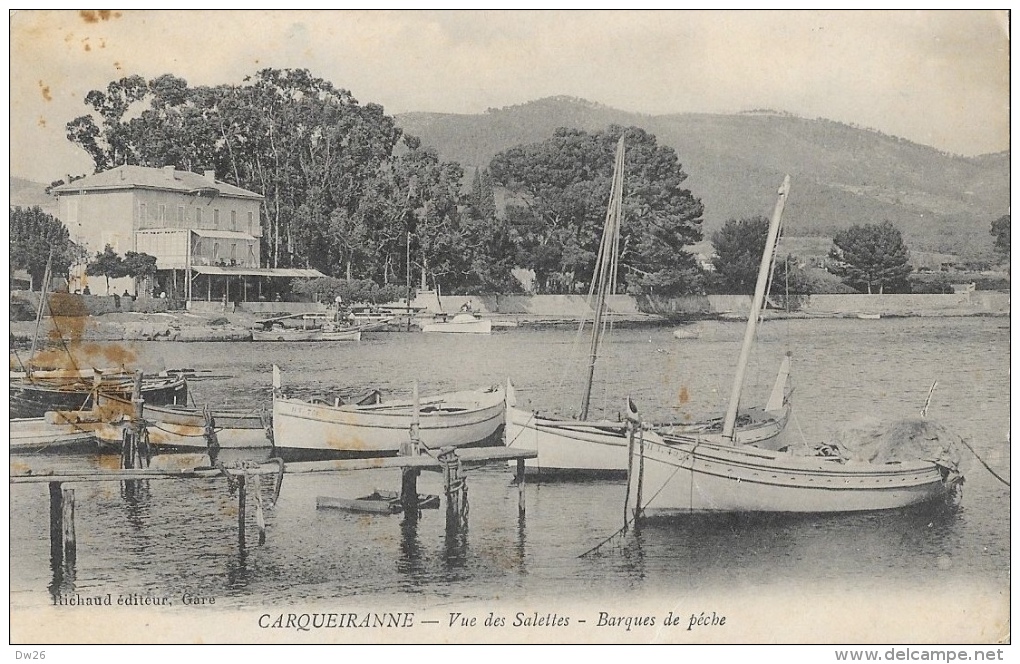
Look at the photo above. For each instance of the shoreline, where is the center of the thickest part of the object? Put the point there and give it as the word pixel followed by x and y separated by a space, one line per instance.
pixel 236 327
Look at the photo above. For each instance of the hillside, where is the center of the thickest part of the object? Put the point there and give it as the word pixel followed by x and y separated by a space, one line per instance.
pixel 25 193
pixel 842 175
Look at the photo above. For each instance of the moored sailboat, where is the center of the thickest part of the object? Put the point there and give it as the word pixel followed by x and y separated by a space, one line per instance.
pixel 599 447
pixel 679 473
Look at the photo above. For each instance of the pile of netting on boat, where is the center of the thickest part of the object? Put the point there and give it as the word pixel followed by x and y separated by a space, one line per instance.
pixel 875 441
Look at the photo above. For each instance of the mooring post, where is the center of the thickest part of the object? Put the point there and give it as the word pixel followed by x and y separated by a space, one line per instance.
pixel 520 487
pixel 455 488
pixel 241 499
pixel 56 525
pixel 409 492
pixel 70 542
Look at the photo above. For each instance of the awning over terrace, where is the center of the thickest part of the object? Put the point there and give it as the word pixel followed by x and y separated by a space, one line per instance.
pixel 292 272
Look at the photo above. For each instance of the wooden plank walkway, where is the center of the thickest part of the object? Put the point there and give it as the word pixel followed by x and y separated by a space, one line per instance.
pixel 468 456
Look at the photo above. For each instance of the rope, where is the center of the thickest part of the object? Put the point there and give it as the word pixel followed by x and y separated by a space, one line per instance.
pixel 987 467
pixel 627 525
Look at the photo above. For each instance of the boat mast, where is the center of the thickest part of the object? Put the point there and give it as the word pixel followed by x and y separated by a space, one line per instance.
pixel 605 271
pixel 42 306
pixel 756 305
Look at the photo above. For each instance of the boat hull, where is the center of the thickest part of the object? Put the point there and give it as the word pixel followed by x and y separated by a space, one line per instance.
pixel 461 324
pixel 303 429
pixel 34 399
pixel 39 434
pixel 679 476
pixel 184 428
pixel 570 447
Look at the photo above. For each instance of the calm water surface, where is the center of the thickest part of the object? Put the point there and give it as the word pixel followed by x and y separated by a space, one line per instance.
pixel 170 537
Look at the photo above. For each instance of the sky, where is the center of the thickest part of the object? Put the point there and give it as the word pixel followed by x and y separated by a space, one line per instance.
pixel 933 77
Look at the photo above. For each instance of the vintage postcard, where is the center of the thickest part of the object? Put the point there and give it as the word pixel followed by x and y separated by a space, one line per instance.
pixel 511 327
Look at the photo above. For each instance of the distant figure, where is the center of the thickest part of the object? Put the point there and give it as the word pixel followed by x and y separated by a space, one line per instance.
pixel 162 295
pixel 86 291
pixel 126 293
pixel 466 306
pixel 277 298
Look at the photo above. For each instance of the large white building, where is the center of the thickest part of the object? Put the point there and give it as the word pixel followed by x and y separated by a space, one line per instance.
pixel 205 234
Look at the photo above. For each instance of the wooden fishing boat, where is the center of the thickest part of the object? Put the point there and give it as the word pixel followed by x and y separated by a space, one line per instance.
pixel 185 428
pixel 462 323
pixel 678 473
pixel 580 447
pixel 319 429
pixel 41 434
pixel 326 333
pixel 600 447
pixel 32 396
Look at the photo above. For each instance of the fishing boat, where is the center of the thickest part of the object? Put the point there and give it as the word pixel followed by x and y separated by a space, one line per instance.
pixel 327 333
pixel 373 427
pixel 184 428
pixel 462 323
pixel 583 447
pixel 679 473
pixel 34 391
pixel 42 434
pixel 33 395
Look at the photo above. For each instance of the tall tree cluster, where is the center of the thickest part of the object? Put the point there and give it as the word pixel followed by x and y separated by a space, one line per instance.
pixel 559 191
pixel 346 192
pixel 34 234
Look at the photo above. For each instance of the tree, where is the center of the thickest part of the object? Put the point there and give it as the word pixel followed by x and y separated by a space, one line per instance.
pixel 1000 230
pixel 559 191
pixel 872 256
pixel 738 248
pixel 33 233
pixel 139 265
pixel 107 263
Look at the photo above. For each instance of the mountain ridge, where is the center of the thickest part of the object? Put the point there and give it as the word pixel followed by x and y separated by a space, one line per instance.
pixel 842 174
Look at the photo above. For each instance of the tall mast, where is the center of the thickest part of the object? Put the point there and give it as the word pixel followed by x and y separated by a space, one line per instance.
pixel 605 270
pixel 42 306
pixel 756 305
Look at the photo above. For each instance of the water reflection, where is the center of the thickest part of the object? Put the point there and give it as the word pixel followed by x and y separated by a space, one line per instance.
pixel 726 549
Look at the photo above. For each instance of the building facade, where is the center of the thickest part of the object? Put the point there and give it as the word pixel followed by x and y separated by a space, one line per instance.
pixel 205 234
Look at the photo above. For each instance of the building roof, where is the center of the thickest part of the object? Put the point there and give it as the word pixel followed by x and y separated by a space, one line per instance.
pixel 165 179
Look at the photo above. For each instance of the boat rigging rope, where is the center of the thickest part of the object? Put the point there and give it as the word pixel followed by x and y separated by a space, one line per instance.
pixel 627 525
pixel 987 467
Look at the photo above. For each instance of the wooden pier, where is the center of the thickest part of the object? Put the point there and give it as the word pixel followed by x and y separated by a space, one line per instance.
pixel 451 462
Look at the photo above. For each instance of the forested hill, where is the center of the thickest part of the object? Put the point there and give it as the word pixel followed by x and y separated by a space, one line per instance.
pixel 842 175
pixel 25 193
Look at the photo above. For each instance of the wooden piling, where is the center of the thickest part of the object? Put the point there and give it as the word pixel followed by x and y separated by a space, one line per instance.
pixel 520 487
pixel 409 492
pixel 70 543
pixel 56 524
pixel 241 500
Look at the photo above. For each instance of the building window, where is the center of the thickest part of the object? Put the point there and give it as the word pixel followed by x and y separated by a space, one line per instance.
pixel 233 253
pixel 162 213
pixel 216 219
pixel 198 217
pixel 233 220
pixel 180 216
pixel 251 223
pixel 141 213
pixel 216 251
